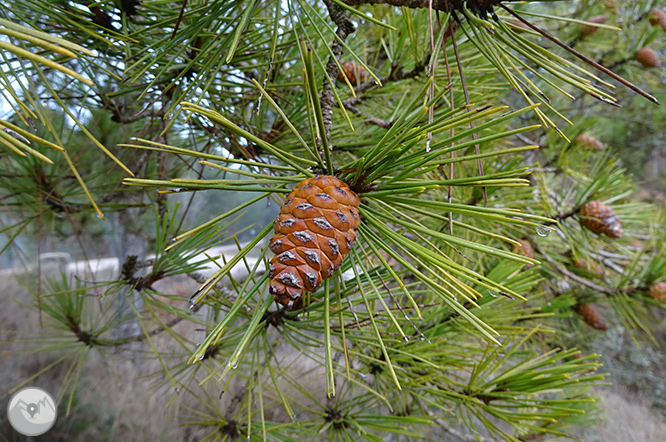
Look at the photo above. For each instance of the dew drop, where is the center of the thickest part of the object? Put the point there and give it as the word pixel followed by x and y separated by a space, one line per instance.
pixel 133 139
pixel 544 230
pixel 494 295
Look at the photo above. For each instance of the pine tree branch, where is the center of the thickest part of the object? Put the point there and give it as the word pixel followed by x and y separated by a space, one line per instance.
pixel 139 337
pixel 585 59
pixel 224 291
pixel 397 74
pixel 439 5
pixel 369 119
pixel 345 27
pixel 462 436
pixel 570 275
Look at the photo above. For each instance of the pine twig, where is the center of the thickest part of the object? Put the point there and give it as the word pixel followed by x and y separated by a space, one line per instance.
pixel 462 436
pixel 397 74
pixel 583 57
pixel 345 27
pixel 570 275
pixel 467 102
pixel 139 337
pixel 369 119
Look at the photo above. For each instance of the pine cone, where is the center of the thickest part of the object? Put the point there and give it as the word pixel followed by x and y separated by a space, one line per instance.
pixel 351 70
pixel 590 267
pixel 586 30
pixel 657 291
pixel 657 17
pixel 591 316
pixel 524 249
pixel 314 231
pixel 601 219
pixel 589 142
pixel 648 58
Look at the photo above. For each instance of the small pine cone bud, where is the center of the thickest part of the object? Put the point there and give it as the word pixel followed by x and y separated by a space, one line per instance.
pixel 591 316
pixel 589 142
pixel 657 17
pixel 586 30
pixel 600 219
pixel 657 291
pixel 611 5
pixel 353 72
pixel 648 58
pixel 590 267
pixel 314 232
pixel 524 248
pixel 518 26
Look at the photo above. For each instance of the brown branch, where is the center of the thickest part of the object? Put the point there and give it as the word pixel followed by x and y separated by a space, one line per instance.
pixel 140 337
pixel 397 74
pixel 345 27
pixel 462 436
pixel 572 276
pixel 480 8
pixel 464 88
pixel 93 340
pixel 438 5
pixel 368 119
pixel 585 59
pixel 221 289
pixel 179 20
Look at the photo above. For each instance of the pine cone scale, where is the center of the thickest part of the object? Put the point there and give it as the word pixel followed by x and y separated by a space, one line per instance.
pixel 323 201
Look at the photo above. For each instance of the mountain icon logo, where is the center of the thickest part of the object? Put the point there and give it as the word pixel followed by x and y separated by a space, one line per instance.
pixel 32 411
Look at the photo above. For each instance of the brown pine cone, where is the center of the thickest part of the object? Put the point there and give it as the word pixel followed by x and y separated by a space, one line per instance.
pixel 524 249
pixel 657 17
pixel 314 232
pixel 589 142
pixel 586 30
pixel 657 291
pixel 353 71
pixel 591 316
pixel 648 58
pixel 601 219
